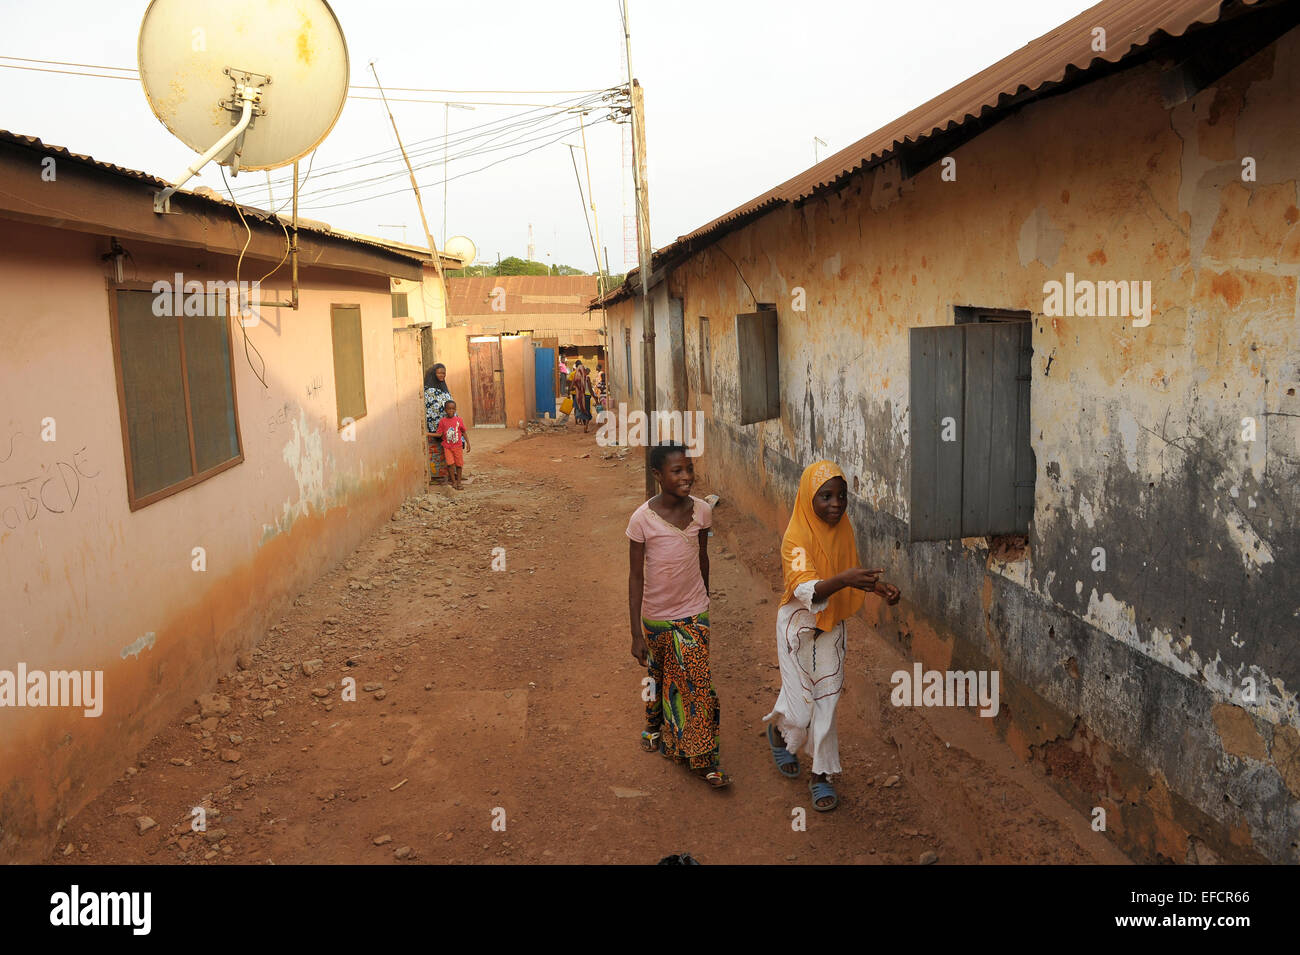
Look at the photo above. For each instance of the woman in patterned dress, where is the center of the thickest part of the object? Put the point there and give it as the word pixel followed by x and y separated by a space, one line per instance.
pixel 436 396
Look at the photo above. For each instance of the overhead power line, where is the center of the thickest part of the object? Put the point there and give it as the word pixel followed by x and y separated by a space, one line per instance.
pixel 313 198
pixel 421 147
pixel 89 66
pixel 486 138
pixel 439 102
pixel 437 163
pixel 470 172
pixel 537 121
pixel 41 69
pixel 425 89
pixel 135 73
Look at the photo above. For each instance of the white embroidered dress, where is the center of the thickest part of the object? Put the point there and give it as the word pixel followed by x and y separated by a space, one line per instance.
pixel 812 676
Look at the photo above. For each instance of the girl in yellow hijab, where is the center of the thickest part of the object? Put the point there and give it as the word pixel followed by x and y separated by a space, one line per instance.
pixel 823 587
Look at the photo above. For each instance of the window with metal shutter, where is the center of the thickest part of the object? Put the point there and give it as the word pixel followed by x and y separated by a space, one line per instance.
pixel 758 368
pixel 177 393
pixel 349 363
pixel 972 462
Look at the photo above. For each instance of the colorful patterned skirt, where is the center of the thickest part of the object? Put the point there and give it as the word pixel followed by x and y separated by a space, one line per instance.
pixel 437 462
pixel 685 707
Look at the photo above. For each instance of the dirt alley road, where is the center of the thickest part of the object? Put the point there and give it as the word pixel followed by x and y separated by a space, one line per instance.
pixel 515 691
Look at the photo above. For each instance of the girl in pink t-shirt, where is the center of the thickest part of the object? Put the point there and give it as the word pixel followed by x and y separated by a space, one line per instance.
pixel 668 599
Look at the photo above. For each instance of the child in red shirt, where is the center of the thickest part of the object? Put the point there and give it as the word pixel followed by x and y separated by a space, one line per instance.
pixel 455 442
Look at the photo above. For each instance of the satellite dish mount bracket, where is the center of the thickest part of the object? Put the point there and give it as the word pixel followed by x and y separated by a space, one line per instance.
pixel 243 79
pixel 245 104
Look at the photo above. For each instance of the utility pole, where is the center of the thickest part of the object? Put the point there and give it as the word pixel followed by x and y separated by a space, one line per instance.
pixel 433 246
pixel 643 248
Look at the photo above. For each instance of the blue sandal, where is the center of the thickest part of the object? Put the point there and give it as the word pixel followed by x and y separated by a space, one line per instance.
pixel 820 790
pixel 787 763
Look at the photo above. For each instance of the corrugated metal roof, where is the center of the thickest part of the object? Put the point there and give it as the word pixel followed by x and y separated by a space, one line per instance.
pixel 524 294
pixel 1130 25
pixel 406 248
pixel 206 194
pixel 34 143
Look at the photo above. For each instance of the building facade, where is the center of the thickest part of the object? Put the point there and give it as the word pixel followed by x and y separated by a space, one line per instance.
pixel 1047 324
pixel 544 306
pixel 171 473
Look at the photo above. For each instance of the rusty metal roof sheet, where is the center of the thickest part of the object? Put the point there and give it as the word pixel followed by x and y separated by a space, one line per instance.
pixel 1066 51
pixel 524 294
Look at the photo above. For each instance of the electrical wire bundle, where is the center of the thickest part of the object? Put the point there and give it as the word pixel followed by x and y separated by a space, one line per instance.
pixel 515 135
pixel 335 185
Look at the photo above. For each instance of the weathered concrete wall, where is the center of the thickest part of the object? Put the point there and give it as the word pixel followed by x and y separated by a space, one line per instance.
pixel 670 367
pixel 1126 684
pixel 671 392
pixel 626 316
pixel 426 300
pixel 416 311
pixel 87 584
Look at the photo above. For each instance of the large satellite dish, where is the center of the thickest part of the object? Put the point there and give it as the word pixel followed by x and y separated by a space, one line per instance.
pixel 461 247
pixel 254 84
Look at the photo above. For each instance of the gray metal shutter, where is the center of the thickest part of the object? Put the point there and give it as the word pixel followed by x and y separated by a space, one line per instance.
pixel 989 459
pixel 1026 470
pixel 759 371
pixel 935 386
pixel 983 483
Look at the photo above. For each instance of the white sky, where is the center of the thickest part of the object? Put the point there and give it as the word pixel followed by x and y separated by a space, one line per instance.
pixel 735 92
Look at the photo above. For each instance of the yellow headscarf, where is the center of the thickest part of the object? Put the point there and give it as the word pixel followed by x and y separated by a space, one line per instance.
pixel 814 550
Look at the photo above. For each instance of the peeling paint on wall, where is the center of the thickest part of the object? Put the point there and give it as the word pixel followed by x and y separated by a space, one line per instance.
pixel 304 453
pixel 1040 239
pixel 139 646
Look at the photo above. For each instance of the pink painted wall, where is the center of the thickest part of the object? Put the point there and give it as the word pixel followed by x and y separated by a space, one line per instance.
pixel 87 584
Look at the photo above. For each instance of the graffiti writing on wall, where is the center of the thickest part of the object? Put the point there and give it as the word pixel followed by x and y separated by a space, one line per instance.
pixel 26 493
pixel 278 417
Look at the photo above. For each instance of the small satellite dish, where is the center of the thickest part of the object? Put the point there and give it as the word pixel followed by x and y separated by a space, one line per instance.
pixel 254 84
pixel 461 247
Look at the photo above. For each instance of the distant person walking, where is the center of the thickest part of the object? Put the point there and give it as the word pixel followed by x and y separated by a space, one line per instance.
pixel 581 391
pixel 602 390
pixel 436 396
